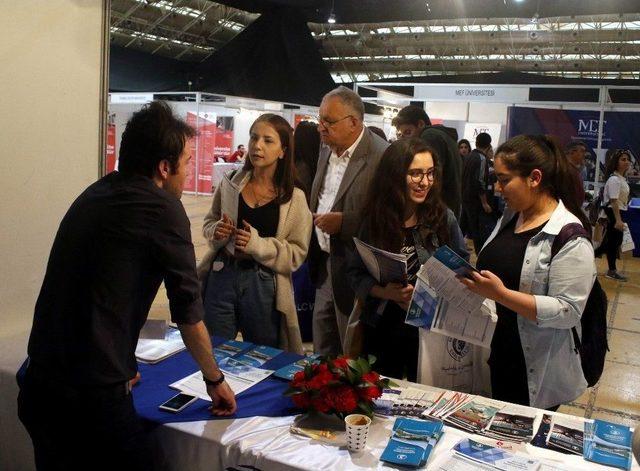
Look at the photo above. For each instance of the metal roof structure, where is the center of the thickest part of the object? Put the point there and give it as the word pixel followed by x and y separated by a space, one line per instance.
pixel 585 39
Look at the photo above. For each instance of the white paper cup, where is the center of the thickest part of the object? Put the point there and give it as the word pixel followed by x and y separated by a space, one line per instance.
pixel 357 429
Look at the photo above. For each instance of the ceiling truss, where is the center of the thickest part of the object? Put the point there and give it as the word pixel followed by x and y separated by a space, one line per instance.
pixel 605 46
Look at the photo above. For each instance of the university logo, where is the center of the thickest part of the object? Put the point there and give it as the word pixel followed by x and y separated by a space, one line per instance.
pixel 457 349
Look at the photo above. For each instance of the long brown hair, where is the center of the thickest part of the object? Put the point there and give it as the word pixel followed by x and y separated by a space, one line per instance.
pixel 284 177
pixel 523 154
pixel 387 198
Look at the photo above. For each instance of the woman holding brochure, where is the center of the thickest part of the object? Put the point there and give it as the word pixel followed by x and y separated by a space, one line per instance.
pixel 403 214
pixel 246 275
pixel 539 298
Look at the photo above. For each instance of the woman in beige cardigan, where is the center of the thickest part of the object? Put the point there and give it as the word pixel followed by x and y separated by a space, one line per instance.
pixel 250 290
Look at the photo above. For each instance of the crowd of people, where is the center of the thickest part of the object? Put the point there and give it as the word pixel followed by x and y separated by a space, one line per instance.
pixel 304 196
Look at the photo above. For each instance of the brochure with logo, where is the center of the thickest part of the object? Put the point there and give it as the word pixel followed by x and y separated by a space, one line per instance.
pixel 566 433
pixel 511 423
pixel 230 348
pixel 495 457
pixel 424 302
pixel 608 443
pixel 287 372
pixel 411 441
pixel 259 355
pixel 475 415
pixel 410 402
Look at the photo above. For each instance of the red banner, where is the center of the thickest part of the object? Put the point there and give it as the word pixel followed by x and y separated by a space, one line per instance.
pixel 214 140
pixel 111 148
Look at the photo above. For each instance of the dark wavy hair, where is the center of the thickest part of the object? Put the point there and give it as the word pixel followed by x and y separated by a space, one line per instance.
pixel 523 154
pixel 612 162
pixel 153 134
pixel 387 198
pixel 284 178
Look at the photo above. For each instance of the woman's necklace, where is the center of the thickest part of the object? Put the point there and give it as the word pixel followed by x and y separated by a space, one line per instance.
pixel 259 199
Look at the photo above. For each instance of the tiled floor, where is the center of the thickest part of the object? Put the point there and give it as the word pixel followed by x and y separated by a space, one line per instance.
pixel 616 397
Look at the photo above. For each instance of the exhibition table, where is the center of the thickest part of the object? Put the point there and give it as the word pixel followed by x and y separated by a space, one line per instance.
pixel 265 443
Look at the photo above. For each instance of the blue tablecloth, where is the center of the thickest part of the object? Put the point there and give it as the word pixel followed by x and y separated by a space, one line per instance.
pixel 264 399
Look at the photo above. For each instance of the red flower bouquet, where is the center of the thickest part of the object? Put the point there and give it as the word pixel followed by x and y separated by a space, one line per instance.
pixel 341 386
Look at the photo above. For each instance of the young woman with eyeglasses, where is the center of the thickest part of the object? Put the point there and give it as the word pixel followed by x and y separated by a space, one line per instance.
pixel 403 214
pixel 616 200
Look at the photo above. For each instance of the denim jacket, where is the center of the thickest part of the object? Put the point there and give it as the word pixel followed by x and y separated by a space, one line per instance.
pixel 560 287
pixel 362 281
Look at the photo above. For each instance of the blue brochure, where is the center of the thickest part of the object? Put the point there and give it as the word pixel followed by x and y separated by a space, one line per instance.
pixel 494 457
pixel 423 305
pixel 608 443
pixel 412 441
pixel 230 348
pixel 259 355
pixel 287 372
pixel 453 261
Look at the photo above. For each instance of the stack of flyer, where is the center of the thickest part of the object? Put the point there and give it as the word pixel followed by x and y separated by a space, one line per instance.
pixel 410 402
pixel 446 403
pixel 155 350
pixel 412 441
pixel 288 371
pixel 230 348
pixel 565 434
pixel 474 415
pixel 608 444
pixel 476 455
pixel 258 355
pixel 512 423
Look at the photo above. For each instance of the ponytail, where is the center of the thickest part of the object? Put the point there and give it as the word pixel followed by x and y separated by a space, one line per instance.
pixel 523 154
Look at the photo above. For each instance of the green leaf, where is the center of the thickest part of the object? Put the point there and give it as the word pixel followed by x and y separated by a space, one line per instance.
pixel 364 365
pixel 372 359
pixel 366 407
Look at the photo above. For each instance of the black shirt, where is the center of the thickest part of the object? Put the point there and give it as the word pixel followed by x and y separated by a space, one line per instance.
pixel 264 218
pixel 118 241
pixel 504 257
pixel 472 179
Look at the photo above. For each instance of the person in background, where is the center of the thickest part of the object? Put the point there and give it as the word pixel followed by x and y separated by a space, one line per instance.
pixel 378 131
pixel 576 152
pixel 539 299
pixel 413 121
pixel 404 214
pixel 464 148
pixel 345 167
pixel 306 148
pixel 121 238
pixel 249 289
pixel 476 210
pixel 238 155
pixel 615 201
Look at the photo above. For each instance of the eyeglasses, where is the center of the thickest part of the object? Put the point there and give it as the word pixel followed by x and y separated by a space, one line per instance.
pixel 418 175
pixel 327 124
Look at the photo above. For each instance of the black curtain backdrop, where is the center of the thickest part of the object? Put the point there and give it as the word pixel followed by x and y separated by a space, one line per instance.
pixel 274 58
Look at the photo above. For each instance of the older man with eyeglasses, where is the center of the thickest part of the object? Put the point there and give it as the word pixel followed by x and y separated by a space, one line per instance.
pixel 345 167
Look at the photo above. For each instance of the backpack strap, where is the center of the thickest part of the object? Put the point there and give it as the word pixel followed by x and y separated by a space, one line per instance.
pixel 569 232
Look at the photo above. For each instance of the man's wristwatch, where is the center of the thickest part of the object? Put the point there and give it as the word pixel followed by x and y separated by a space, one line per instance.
pixel 215 383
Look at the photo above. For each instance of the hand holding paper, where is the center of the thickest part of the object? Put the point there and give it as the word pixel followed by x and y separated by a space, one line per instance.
pixel 484 283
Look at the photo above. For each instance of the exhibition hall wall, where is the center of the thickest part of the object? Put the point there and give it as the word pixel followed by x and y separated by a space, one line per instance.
pixel 50 140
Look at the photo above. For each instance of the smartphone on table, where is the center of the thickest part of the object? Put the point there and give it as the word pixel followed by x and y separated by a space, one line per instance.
pixel 178 402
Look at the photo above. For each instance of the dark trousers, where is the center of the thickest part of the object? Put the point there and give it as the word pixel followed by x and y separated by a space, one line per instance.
pixel 612 240
pixel 394 344
pixel 95 429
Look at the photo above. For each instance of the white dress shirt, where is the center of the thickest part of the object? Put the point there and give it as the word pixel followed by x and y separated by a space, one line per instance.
pixel 332 178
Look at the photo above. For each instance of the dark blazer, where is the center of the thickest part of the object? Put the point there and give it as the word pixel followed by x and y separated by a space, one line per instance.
pixel 350 201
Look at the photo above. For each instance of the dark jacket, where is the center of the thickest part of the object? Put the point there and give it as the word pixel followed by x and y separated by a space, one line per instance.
pixel 425 241
pixel 440 138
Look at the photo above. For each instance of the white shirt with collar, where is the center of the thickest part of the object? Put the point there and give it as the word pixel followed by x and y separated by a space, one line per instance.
pixel 336 168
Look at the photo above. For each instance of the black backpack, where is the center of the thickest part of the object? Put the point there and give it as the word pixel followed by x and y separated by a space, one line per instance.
pixel 594 346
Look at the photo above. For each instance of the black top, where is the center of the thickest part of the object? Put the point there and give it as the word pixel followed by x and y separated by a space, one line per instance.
pixel 264 218
pixel 472 186
pixel 504 257
pixel 393 313
pixel 118 241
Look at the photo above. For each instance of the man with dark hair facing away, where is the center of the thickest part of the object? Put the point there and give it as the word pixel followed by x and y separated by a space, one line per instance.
pixel 123 236
pixel 476 209
pixel 413 121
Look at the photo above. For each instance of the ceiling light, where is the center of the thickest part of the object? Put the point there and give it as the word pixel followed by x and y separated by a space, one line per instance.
pixel 332 18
